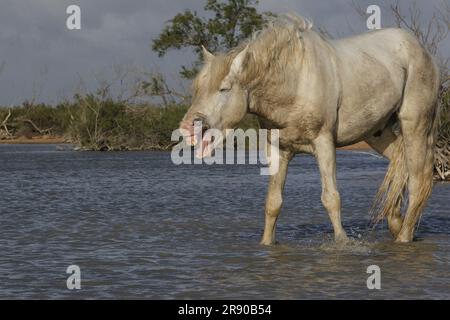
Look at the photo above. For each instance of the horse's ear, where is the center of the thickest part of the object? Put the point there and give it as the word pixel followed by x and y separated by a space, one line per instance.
pixel 237 64
pixel 207 56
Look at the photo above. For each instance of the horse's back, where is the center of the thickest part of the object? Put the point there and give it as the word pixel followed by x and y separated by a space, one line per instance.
pixel 373 69
pixel 394 41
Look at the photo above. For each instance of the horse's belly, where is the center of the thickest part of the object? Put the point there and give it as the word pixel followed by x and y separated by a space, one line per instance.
pixel 368 102
pixel 356 125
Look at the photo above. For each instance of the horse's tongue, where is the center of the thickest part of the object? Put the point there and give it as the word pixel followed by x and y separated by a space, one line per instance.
pixel 191 140
pixel 203 150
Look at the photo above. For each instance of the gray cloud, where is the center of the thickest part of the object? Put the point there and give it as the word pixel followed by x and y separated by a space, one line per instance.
pixel 44 59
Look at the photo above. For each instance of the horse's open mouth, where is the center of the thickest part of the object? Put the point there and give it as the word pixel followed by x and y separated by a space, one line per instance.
pixel 203 144
pixel 202 140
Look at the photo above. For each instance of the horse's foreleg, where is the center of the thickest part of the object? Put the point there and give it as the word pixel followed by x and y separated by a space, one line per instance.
pixel 274 198
pixel 325 152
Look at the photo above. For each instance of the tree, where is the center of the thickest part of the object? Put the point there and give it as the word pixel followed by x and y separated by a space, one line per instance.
pixel 231 21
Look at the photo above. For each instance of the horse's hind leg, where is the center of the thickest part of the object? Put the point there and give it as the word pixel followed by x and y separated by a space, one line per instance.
pixel 419 160
pixel 417 117
pixel 387 144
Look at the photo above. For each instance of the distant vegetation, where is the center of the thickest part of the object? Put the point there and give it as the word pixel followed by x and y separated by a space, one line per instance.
pixel 92 123
pixel 442 154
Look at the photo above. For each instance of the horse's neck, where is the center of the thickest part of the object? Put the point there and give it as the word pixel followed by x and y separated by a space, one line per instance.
pixel 268 100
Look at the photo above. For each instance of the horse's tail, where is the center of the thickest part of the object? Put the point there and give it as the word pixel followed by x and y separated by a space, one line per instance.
pixel 389 197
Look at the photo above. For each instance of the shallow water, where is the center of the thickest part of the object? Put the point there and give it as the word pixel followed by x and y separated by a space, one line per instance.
pixel 140 227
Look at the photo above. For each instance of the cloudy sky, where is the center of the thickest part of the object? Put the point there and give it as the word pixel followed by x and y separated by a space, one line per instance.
pixel 41 58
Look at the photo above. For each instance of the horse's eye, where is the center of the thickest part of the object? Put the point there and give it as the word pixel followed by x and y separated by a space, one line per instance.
pixel 222 90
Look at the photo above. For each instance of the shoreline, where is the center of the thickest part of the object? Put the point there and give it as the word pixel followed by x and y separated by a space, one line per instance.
pixel 36 140
pixel 61 140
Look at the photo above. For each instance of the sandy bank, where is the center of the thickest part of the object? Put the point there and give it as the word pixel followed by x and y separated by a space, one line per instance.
pixel 46 139
pixel 35 140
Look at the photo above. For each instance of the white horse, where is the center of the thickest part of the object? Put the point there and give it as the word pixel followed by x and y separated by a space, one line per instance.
pixel 380 87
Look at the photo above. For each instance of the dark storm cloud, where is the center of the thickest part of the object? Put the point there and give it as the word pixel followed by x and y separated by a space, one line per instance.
pixel 44 59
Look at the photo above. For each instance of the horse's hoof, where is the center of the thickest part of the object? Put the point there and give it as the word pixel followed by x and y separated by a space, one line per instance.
pixel 404 238
pixel 341 238
pixel 267 242
pixel 395 225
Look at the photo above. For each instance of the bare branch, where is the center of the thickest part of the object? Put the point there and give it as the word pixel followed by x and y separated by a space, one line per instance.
pixel 5 123
pixel 430 34
pixel 35 127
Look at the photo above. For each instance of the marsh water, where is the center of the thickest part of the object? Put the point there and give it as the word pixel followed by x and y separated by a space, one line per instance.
pixel 140 227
